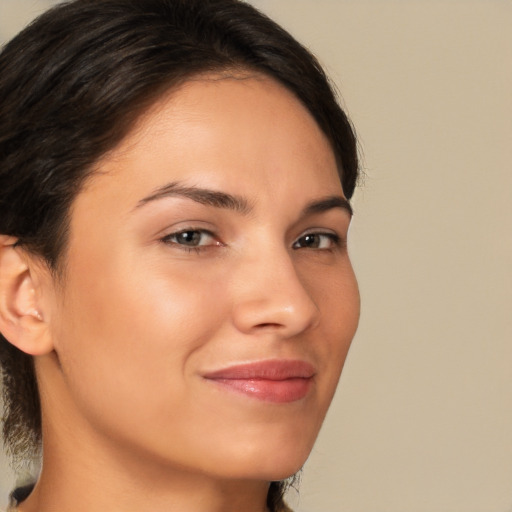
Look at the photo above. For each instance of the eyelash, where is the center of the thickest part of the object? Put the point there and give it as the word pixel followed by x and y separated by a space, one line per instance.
pixel 171 239
pixel 168 239
pixel 334 239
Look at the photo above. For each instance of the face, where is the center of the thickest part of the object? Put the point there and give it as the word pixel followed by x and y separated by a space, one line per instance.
pixel 209 302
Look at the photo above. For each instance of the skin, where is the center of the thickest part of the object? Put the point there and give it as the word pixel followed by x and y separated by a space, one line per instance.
pixel 127 337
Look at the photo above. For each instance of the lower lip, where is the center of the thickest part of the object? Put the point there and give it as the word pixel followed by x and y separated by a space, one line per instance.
pixel 277 391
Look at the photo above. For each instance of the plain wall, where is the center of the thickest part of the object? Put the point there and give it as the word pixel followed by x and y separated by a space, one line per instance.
pixel 422 421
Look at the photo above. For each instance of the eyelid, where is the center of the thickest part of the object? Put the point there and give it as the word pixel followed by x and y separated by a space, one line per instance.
pixel 167 238
pixel 338 241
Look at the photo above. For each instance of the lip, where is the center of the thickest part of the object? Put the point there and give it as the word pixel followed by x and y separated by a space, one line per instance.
pixel 278 381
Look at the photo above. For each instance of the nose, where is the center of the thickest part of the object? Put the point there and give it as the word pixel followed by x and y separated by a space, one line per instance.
pixel 271 297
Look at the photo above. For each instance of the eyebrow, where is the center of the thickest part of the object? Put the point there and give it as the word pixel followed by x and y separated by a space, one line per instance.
pixel 236 203
pixel 328 203
pixel 204 196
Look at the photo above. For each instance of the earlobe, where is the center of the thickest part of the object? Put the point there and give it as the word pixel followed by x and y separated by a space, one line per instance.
pixel 22 320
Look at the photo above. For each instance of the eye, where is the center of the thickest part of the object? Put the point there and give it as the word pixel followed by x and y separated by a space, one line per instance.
pixel 317 241
pixel 191 238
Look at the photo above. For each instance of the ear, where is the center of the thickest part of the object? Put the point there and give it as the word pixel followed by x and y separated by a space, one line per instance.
pixel 22 319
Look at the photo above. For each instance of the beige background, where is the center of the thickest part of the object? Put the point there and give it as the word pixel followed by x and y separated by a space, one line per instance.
pixel 422 421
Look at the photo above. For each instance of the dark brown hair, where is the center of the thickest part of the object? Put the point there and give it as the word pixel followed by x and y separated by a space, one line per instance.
pixel 72 85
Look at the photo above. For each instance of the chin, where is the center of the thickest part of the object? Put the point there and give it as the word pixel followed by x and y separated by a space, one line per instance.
pixel 281 470
pixel 274 452
pixel 273 463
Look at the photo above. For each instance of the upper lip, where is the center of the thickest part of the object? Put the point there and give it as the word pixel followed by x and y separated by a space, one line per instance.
pixel 265 370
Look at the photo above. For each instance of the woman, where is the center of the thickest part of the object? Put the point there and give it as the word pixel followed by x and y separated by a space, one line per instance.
pixel 176 296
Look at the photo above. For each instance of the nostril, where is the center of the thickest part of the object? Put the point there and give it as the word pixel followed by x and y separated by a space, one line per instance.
pixel 269 324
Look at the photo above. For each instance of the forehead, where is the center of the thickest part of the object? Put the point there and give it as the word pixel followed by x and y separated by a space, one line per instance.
pixel 223 131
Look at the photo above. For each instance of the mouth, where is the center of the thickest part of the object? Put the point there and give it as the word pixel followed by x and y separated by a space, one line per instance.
pixel 277 381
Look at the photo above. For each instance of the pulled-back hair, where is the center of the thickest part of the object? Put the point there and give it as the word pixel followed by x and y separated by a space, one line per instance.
pixel 72 85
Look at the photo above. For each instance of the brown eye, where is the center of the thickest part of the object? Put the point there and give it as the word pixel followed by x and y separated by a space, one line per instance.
pixel 190 238
pixel 317 241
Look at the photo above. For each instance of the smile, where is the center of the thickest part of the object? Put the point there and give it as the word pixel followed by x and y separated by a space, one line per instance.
pixel 270 381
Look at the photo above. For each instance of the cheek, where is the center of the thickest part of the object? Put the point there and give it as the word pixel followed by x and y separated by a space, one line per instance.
pixel 129 335
pixel 335 291
pixel 337 297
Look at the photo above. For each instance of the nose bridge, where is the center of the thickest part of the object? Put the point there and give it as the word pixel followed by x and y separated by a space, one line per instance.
pixel 272 295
